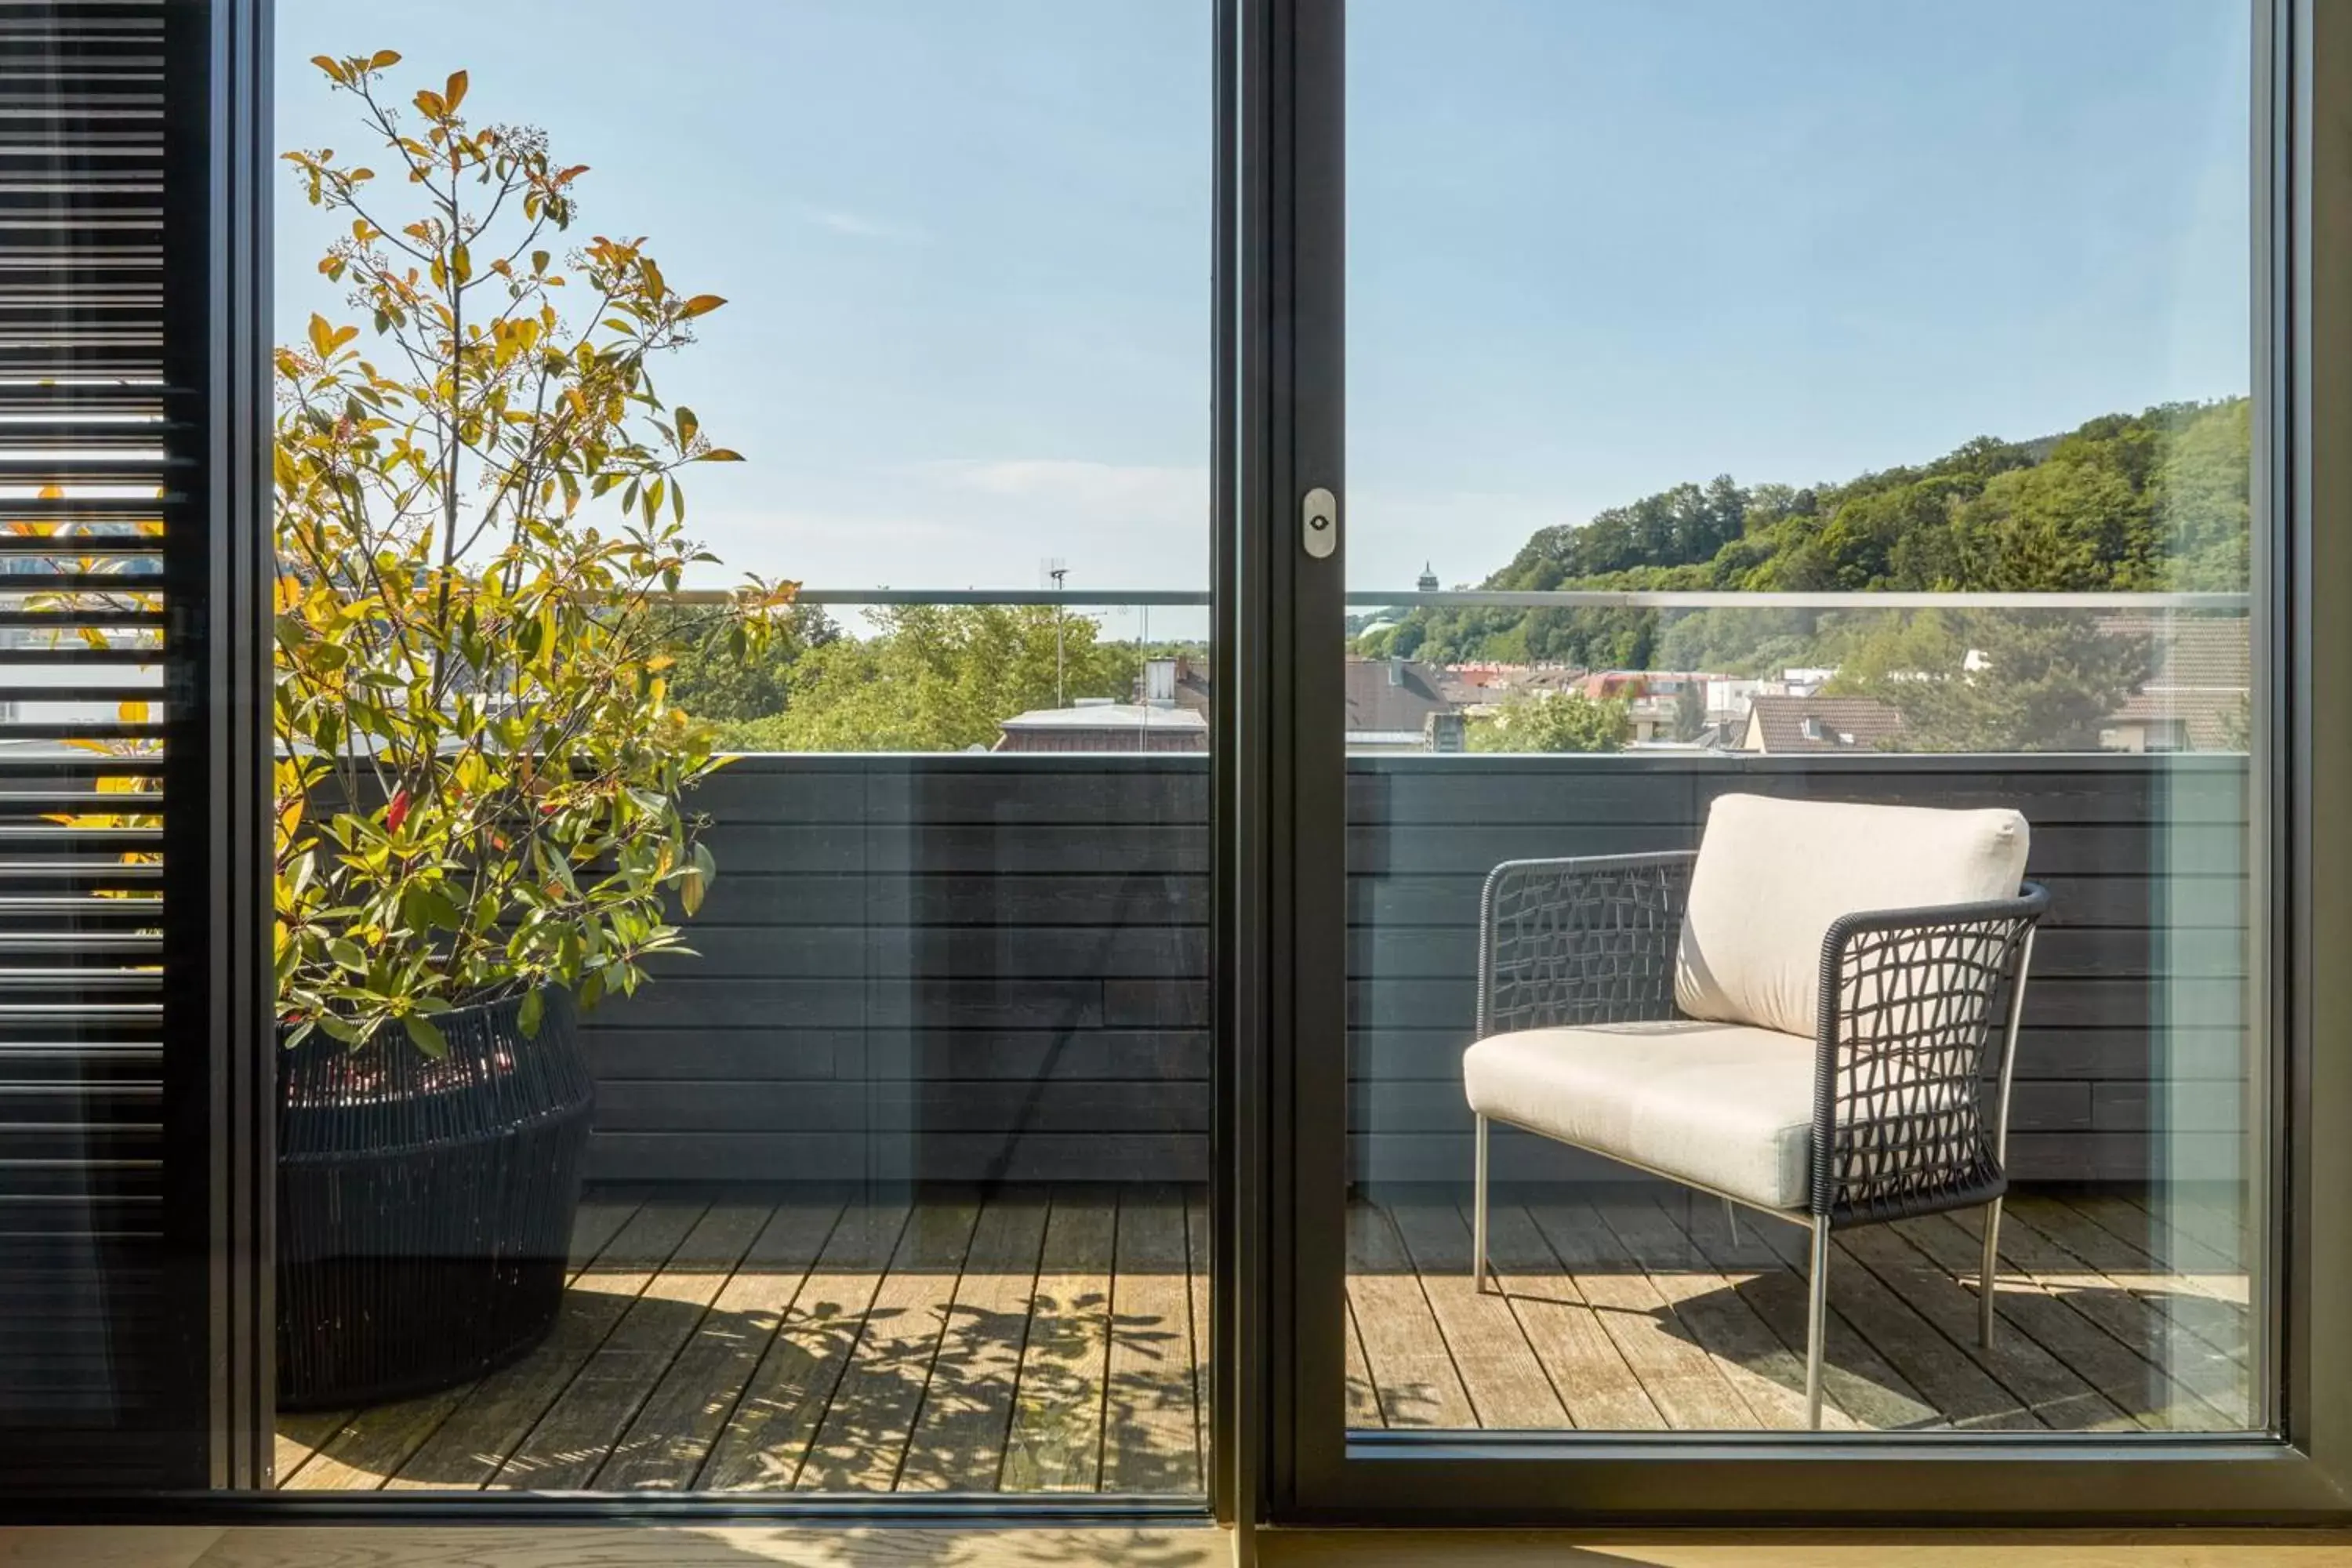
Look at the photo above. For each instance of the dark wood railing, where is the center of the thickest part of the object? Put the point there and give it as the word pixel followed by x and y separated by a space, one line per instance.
pixel 977 966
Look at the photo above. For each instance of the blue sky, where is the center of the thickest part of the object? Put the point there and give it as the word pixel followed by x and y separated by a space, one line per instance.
pixel 1597 247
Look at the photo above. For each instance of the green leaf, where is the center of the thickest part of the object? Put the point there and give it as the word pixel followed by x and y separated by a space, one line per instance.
pixel 532 1011
pixel 428 1034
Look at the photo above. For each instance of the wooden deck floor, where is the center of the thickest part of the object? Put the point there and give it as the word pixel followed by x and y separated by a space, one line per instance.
pixel 1054 1340
pixel 1642 1311
pixel 1037 1341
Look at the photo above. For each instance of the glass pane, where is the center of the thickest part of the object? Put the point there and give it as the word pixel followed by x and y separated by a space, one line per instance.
pixel 896 1180
pixel 1689 336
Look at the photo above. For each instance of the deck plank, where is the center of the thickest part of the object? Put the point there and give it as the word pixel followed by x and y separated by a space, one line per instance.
pixel 1587 1370
pixel 2130 1309
pixel 1506 1382
pixel 1056 1443
pixel 2144 1390
pixel 958 1443
pixel 1686 1383
pixel 485 1426
pixel 570 1444
pixel 862 1440
pixel 2210 1301
pixel 681 1419
pixel 596 1225
pixel 1198 1257
pixel 356 1459
pixel 1057 1340
pixel 1364 1405
pixel 1855 1378
pixel 1150 1438
pixel 2037 1378
pixel 298 1436
pixel 1760 1368
pixel 763 1445
pixel 1968 1395
pixel 2217 1223
pixel 377 1442
pixel 1414 1375
pixel 2188 1247
pixel 2213 1306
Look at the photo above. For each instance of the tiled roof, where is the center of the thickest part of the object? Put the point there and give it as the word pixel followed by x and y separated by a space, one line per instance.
pixel 1847 724
pixel 2201 652
pixel 1385 694
pixel 2204 670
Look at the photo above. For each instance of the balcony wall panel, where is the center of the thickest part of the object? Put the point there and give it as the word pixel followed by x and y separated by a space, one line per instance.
pixel 997 966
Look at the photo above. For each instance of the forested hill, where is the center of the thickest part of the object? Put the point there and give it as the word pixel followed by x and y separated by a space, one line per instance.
pixel 2152 501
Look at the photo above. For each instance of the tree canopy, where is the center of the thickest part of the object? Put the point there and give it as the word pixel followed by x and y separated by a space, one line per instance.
pixel 938 677
pixel 2152 500
pixel 1553 721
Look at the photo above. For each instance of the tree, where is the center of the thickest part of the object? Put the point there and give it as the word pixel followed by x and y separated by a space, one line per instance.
pixel 938 677
pixel 724 684
pixel 2158 498
pixel 480 777
pixel 1690 711
pixel 1553 721
pixel 1982 681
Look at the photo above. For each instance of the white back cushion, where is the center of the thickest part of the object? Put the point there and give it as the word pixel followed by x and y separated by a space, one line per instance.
pixel 1773 874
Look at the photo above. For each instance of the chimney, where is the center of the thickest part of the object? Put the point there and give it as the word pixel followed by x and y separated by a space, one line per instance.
pixel 1445 732
pixel 1396 672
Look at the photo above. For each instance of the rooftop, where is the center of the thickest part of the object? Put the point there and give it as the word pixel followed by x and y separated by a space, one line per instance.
pixel 1393 694
pixel 1781 725
pixel 1109 716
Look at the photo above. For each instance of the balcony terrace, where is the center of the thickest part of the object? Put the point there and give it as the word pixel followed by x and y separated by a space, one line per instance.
pixel 899 1183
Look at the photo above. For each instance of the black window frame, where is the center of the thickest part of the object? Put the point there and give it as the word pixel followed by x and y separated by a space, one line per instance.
pixel 1279 1452
pixel 1311 1470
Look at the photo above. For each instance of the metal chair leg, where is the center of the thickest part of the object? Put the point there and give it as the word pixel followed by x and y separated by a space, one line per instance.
pixel 1816 1282
pixel 1984 1280
pixel 1478 1214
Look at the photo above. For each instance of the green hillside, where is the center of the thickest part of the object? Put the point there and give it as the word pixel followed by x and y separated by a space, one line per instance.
pixel 2152 501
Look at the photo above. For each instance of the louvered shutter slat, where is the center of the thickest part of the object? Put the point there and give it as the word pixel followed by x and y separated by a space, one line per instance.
pixel 85 1296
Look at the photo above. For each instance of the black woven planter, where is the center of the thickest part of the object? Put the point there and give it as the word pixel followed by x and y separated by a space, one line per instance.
pixel 424 1207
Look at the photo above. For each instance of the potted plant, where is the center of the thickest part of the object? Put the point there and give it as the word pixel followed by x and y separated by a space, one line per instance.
pixel 481 779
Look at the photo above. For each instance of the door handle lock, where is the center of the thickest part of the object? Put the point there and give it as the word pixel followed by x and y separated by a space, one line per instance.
pixel 1318 522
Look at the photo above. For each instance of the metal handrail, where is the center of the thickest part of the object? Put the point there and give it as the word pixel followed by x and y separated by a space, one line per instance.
pixel 1532 599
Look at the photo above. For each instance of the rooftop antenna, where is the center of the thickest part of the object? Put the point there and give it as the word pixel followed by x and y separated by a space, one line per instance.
pixel 1058 569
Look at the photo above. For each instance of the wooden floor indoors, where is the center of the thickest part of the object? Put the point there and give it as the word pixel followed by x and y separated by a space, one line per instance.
pixel 1053 1340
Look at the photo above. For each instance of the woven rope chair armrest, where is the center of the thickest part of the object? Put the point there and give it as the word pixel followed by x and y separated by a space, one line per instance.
pixel 1587 940
pixel 1911 1016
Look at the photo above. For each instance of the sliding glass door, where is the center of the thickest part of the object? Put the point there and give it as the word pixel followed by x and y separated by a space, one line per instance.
pixel 1536 759
pixel 1790 751
pixel 886 1169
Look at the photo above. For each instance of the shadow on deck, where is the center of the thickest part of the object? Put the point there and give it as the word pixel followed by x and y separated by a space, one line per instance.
pixel 1054 1339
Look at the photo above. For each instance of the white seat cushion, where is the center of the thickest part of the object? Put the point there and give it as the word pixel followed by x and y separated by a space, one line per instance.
pixel 1722 1105
pixel 1772 875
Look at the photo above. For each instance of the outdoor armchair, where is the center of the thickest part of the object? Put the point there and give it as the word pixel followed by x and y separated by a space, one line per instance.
pixel 1801 1017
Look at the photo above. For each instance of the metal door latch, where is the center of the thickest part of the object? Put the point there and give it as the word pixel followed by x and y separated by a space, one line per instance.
pixel 1319 522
